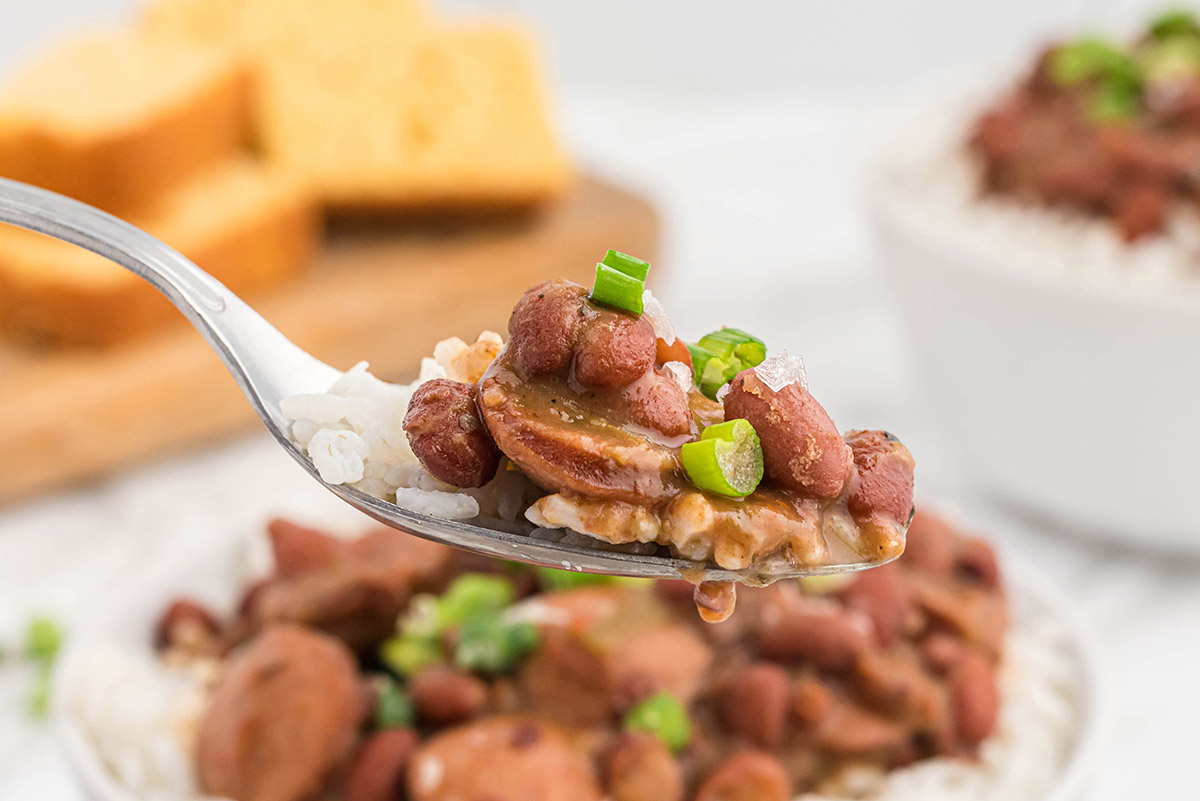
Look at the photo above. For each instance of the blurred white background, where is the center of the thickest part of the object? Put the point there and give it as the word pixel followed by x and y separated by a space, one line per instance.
pixel 751 125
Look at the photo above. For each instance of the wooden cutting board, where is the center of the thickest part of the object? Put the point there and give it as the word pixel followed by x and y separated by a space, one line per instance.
pixel 381 295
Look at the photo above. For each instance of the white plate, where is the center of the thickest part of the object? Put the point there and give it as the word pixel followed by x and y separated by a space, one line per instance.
pixel 215 573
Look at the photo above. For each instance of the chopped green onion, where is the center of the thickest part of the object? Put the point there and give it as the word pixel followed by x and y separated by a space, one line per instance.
pixel 393 708
pixel 554 579
pixel 623 262
pixel 41 692
pixel 472 594
pixel 750 354
pixel 615 288
pixel 1085 59
pixel 1177 22
pixel 488 644
pixel 724 342
pixel 727 460
pixel 1114 102
pixel 700 357
pixel 719 356
pixel 43 638
pixel 663 716
pixel 1178 57
pixel 406 654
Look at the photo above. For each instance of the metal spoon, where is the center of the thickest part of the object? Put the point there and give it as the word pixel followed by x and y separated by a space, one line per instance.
pixel 269 367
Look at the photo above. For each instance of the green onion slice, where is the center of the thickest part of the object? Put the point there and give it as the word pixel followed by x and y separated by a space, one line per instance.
pixel 473 594
pixel 1177 22
pixel 624 263
pixel 43 638
pixel 488 644
pixel 727 459
pixel 393 709
pixel 615 288
pixel 406 654
pixel 663 716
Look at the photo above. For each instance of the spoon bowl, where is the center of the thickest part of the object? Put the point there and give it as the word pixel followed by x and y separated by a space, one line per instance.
pixel 268 367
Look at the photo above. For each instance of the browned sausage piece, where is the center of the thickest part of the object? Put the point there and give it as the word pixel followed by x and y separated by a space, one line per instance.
pixel 802 449
pixel 815 630
pixel 754 704
pixel 377 773
pixel 447 435
pixel 188 626
pixel 358 596
pixel 638 767
pixel 656 402
pixel 747 776
pixel 543 327
pixel 281 720
pixel 614 349
pixel 513 758
pixel 975 697
pixel 883 492
pixel 444 696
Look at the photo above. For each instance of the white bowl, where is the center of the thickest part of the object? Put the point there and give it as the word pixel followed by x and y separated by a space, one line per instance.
pixel 214 573
pixel 1076 398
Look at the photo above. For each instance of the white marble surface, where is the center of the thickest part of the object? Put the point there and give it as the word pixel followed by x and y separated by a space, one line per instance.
pixel 760 201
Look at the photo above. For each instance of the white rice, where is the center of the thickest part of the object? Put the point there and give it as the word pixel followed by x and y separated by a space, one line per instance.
pixel 929 181
pixel 354 434
pixel 140 717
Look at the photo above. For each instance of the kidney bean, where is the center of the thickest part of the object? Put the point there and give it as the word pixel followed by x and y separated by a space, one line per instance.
pixel 754 704
pixel 883 595
pixel 188 626
pixel 931 545
pixel 848 728
pixel 299 549
pixel 815 630
pixel 811 701
pixel 377 773
pixel 942 652
pixel 975 698
pixel 1141 210
pixel 282 719
pixel 884 489
pixel 638 767
pixel 976 561
pixel 543 327
pixel 448 436
pixel 802 449
pixel 899 687
pixel 747 776
pixel 444 696
pixel 656 402
pixel 614 350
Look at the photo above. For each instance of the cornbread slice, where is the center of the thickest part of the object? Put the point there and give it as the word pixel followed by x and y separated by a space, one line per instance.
pixel 380 105
pixel 249 225
pixel 115 118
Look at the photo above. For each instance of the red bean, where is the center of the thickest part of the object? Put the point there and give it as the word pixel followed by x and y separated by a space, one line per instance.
pixel 299 549
pixel 614 350
pixel 377 773
pixel 448 436
pixel 975 698
pixel 883 595
pixel 884 488
pixel 747 776
pixel 754 704
pixel 814 630
pixel 187 625
pixel 802 449
pixel 444 696
pixel 543 327
pixel 638 767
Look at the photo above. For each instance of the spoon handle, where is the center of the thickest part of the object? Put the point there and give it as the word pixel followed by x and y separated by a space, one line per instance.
pixel 266 364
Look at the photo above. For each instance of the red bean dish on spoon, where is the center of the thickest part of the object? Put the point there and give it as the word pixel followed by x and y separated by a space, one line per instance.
pixel 712 450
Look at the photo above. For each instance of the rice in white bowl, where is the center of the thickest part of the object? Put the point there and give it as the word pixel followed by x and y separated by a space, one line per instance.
pixel 354 434
pixel 928 181
pixel 138 715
